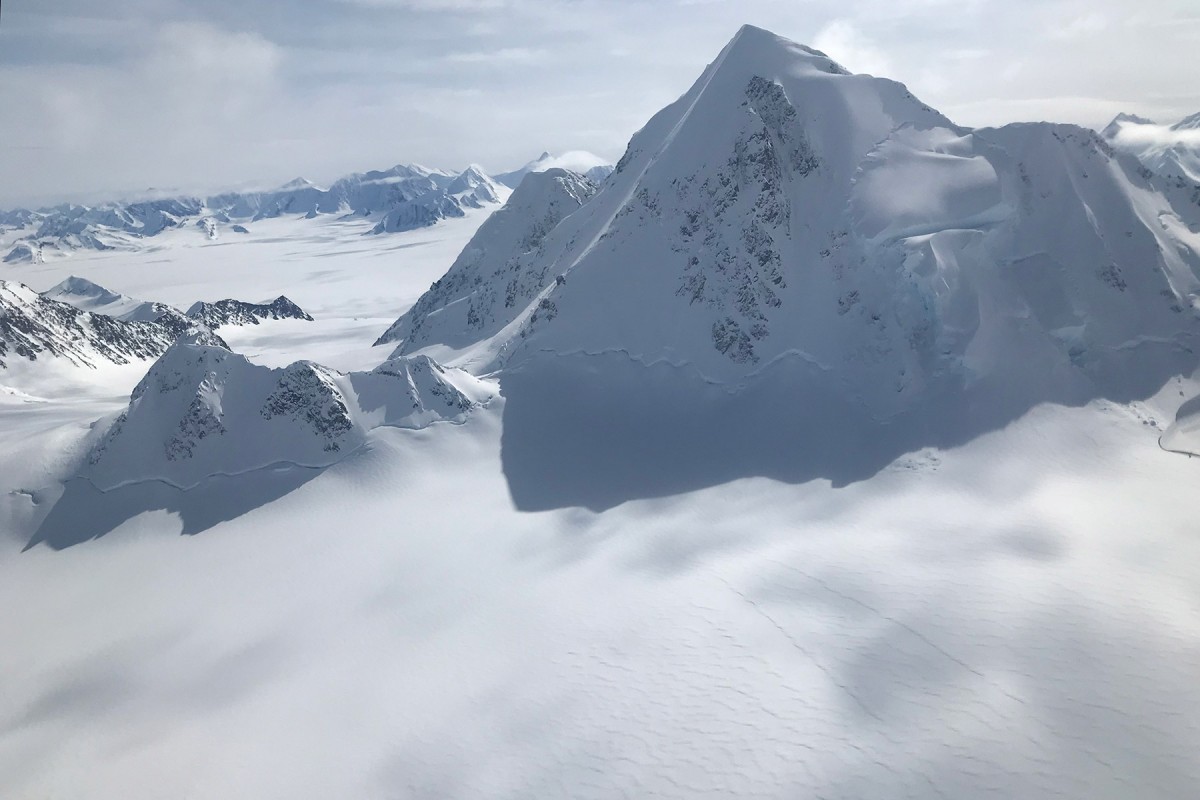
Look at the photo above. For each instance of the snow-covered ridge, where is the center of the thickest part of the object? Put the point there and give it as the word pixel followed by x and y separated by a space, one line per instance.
pixel 34 327
pixel 589 165
pixel 498 272
pixel 403 197
pixel 784 208
pixel 203 410
pixel 89 296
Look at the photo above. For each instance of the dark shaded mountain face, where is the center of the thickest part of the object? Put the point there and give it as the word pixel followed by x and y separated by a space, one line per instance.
pixel 789 230
pixel 239 312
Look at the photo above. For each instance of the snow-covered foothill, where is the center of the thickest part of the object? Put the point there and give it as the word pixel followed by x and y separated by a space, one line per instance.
pixel 203 411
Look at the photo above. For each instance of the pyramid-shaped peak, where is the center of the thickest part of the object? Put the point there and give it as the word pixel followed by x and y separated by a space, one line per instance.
pixel 77 285
pixel 756 46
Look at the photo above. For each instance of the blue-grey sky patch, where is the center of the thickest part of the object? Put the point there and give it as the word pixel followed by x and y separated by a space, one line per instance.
pixel 111 98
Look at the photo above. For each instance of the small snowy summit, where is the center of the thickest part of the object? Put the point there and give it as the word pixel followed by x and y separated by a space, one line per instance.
pixel 787 223
pixel 1169 150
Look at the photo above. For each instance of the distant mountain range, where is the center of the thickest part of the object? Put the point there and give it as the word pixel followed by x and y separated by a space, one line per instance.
pixel 404 197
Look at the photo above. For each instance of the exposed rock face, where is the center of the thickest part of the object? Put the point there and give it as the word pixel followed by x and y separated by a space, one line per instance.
pixel 402 198
pixel 33 327
pixel 239 312
pixel 202 410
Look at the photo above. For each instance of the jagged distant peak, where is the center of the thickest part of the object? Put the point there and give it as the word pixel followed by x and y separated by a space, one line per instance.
pixel 1120 121
pixel 497 273
pixel 204 410
pixel 77 286
pixel 1171 151
pixel 1188 123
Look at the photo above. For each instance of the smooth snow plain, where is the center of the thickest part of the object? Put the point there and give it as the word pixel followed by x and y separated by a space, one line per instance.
pixel 1015 617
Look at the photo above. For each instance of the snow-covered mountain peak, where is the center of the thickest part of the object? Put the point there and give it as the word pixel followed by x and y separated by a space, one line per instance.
pixel 1188 123
pixel 75 286
pixel 296 183
pixel 203 410
pixel 756 48
pixel 587 164
pixel 1120 120
pixel 499 271
pixel 240 312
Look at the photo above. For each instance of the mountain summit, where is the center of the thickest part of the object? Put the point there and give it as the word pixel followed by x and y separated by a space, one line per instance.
pixel 788 224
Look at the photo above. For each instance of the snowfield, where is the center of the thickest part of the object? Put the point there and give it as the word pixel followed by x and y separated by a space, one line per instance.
pixel 596 553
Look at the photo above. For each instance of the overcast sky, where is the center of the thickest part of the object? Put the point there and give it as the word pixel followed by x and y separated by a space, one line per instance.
pixel 108 98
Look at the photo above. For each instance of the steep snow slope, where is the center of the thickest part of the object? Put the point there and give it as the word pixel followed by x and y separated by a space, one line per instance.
pixel 204 411
pixel 1169 150
pixel 1011 616
pixel 498 272
pixel 33 327
pixel 590 165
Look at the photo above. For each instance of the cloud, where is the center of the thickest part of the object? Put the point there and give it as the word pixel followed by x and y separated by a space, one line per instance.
pixel 510 55
pixel 846 44
pixel 1141 135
